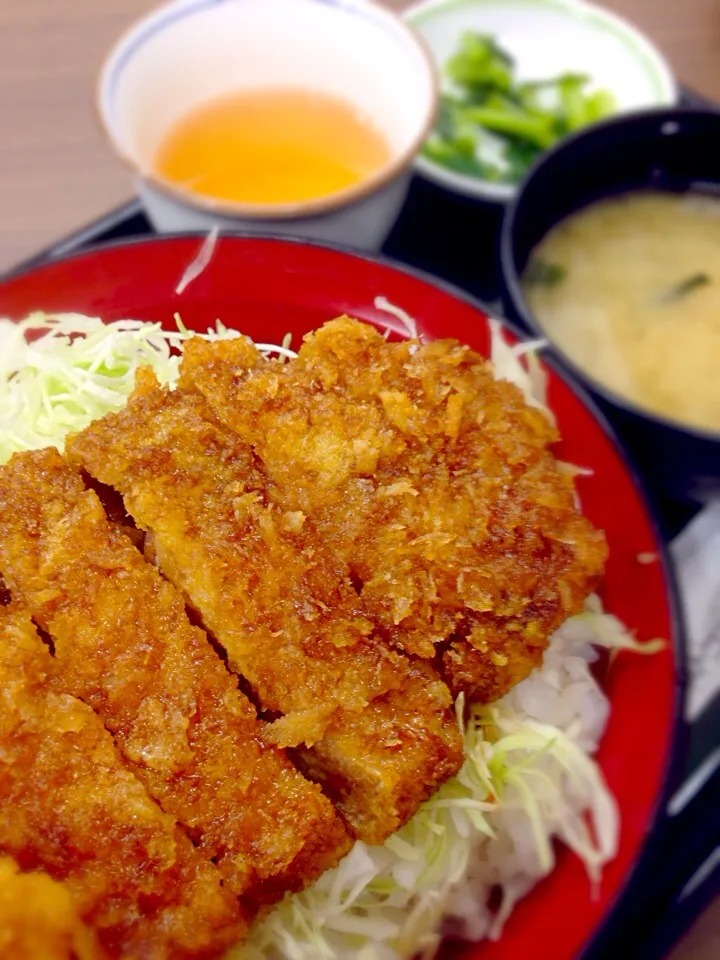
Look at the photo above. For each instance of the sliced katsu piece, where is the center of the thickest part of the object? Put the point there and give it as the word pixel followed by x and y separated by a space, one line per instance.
pixel 38 919
pixel 435 482
pixel 71 808
pixel 381 764
pixel 377 730
pixel 124 645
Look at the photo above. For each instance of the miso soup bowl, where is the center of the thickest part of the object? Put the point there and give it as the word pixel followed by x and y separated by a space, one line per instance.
pixel 672 150
pixel 189 52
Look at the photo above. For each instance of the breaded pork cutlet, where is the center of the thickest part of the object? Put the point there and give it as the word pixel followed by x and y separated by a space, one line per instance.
pixel 376 729
pixel 38 920
pixel 71 808
pixel 124 645
pixel 432 480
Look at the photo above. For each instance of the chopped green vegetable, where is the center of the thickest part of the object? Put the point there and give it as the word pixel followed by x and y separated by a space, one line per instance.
pixel 686 286
pixel 459 161
pixel 514 123
pixel 491 126
pixel 455 143
pixel 542 273
pixel 480 65
pixel 600 104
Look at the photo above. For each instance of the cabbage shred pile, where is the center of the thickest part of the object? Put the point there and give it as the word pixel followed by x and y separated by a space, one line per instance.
pixel 60 372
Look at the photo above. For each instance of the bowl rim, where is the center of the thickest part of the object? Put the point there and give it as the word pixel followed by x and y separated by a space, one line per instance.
pixel 512 279
pixel 678 741
pixel 327 204
pixel 502 192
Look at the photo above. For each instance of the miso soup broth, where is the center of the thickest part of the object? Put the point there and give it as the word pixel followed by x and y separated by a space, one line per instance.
pixel 629 288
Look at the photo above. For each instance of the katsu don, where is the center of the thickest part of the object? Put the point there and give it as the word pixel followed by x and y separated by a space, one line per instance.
pixel 432 482
pixel 237 622
pixel 123 645
pixel 374 727
pixel 71 808
pixel 38 919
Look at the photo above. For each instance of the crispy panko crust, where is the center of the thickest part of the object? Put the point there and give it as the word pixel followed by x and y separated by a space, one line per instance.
pixel 70 807
pixel 433 481
pixel 38 920
pixel 380 767
pixel 124 645
pixel 379 740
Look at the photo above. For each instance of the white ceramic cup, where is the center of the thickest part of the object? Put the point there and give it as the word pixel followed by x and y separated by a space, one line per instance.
pixel 192 51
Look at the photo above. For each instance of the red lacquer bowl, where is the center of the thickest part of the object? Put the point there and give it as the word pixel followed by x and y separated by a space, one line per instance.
pixel 268 288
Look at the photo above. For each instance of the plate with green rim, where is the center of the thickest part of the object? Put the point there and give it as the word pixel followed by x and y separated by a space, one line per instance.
pixel 545 38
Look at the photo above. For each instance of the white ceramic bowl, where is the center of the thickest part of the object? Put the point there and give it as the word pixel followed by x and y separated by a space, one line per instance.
pixel 191 51
pixel 546 38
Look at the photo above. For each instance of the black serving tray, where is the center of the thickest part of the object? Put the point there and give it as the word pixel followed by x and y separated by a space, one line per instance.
pixel 456 239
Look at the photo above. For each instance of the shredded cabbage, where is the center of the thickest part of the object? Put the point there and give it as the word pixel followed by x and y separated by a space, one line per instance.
pixel 59 372
pixel 605 630
pixel 409 326
pixel 200 262
pixel 507 362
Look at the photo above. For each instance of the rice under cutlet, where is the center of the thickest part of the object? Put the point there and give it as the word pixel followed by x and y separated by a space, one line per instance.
pixel 377 737
pixel 70 807
pixel 124 645
pixel 38 920
pixel 432 480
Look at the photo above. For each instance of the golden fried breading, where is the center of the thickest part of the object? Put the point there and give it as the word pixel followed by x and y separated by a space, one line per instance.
pixel 432 480
pixel 38 920
pixel 70 807
pixel 280 605
pixel 397 752
pixel 124 645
